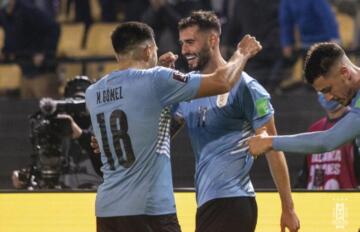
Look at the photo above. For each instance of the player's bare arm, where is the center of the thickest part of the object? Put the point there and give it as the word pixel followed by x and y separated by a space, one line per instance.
pixel 95 145
pixel 279 171
pixel 260 144
pixel 310 142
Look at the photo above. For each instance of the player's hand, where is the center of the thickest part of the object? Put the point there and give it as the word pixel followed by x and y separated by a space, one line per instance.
pixel 168 60
pixel 15 180
pixel 76 130
pixel 260 144
pixel 289 220
pixel 94 145
pixel 249 46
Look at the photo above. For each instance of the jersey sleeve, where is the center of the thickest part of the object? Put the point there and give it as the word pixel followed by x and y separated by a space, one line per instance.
pixel 88 93
pixel 342 132
pixel 172 86
pixel 355 105
pixel 256 101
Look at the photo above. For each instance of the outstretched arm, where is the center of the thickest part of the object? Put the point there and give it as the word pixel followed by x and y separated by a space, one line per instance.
pixel 225 77
pixel 279 171
pixel 314 142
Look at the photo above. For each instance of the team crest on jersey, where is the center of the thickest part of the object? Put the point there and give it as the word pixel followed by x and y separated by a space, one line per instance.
pixel 202 111
pixel 222 99
pixel 180 77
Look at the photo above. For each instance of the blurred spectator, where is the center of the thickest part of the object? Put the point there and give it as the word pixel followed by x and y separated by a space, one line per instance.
pixel 356 14
pixel 260 19
pixel 131 10
pixel 82 11
pixel 313 21
pixel 108 10
pixel 31 38
pixel 332 170
pixel 345 6
pixel 50 7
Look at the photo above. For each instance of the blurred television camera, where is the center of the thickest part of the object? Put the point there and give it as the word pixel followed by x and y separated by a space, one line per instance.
pixel 51 127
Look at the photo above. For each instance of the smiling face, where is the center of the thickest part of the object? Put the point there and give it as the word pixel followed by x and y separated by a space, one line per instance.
pixel 195 47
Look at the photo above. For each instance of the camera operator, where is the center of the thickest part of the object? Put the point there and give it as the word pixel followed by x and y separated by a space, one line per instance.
pixel 61 134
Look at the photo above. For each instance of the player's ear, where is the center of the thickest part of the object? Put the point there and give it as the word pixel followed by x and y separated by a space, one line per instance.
pixel 345 73
pixel 213 40
pixel 146 53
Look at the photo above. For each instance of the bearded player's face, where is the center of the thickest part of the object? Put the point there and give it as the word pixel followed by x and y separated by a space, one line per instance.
pixel 194 47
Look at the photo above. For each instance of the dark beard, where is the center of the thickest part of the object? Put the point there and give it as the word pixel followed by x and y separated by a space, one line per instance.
pixel 203 58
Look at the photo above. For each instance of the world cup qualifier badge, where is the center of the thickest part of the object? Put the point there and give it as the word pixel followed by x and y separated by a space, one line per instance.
pixel 262 106
pixel 180 77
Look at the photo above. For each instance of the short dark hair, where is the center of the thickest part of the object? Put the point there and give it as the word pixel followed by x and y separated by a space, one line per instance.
pixel 128 35
pixel 320 58
pixel 205 20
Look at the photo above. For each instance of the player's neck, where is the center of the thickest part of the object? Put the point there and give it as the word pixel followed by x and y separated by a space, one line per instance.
pixel 338 113
pixel 215 62
pixel 129 63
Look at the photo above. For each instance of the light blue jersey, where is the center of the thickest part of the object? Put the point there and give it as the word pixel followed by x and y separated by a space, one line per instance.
pixel 355 103
pixel 131 118
pixel 218 129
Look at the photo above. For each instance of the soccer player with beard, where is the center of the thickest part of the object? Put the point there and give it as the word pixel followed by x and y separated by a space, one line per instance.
pixel 130 115
pixel 218 128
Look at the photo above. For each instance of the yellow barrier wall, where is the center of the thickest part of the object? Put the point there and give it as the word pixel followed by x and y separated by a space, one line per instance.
pixel 74 212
